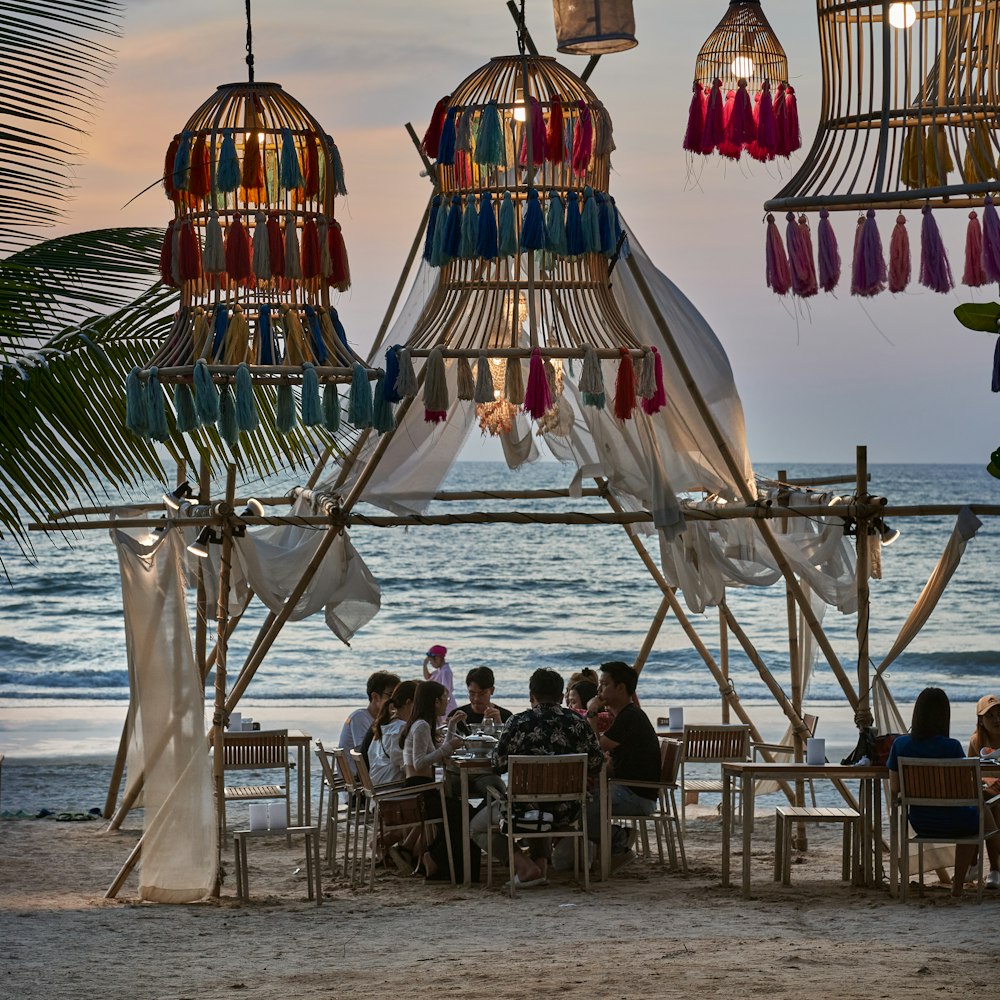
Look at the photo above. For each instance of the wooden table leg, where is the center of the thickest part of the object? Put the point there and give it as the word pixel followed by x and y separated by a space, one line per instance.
pixel 605 841
pixel 746 802
pixel 463 777
pixel 727 814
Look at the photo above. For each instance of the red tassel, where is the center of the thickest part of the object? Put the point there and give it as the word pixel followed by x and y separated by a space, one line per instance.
pixel 583 140
pixel 275 246
pixel 168 167
pixel 793 132
pixel 975 274
pixel 311 166
pixel 166 255
pixel 310 250
pixel 763 147
pixel 239 262
pixel 189 253
pixel 555 148
pixel 740 127
pixel 537 398
pixel 715 122
pixel 779 277
pixel 253 169
pixel 625 387
pixel 340 272
pixel 728 149
pixel 201 172
pixel 539 143
pixel 781 146
pixel 432 136
pixel 659 398
pixel 696 120
pixel 463 168
pixel 899 256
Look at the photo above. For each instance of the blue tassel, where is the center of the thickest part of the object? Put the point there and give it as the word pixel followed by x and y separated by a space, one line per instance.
pixel 228 175
pixel 284 409
pixel 618 231
pixel 339 328
pixel 312 409
pixel 228 428
pixel 575 242
pixel 470 228
pixel 182 163
pixel 446 146
pixel 431 223
pixel 331 407
pixel 594 399
pixel 158 429
pixel 206 396
pixel 555 226
pixel 382 418
pixel 339 181
pixel 606 225
pixel 996 367
pixel 136 405
pixel 291 170
pixel 533 224
pixel 438 256
pixel 391 374
pixel 359 403
pixel 246 405
pixel 220 322
pixel 591 221
pixel 318 344
pixel 266 337
pixel 187 416
pixel 486 237
pixel 491 150
pixel 508 231
pixel 453 231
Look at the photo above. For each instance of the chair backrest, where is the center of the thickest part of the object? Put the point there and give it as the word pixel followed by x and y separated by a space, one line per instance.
pixel 326 763
pixel 955 782
pixel 361 769
pixel 349 781
pixel 254 751
pixel 811 721
pixel 670 761
pixel 716 744
pixel 549 777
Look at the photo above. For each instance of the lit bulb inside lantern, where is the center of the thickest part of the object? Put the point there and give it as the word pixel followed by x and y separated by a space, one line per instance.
pixel 902 15
pixel 520 111
pixel 742 67
pixel 260 137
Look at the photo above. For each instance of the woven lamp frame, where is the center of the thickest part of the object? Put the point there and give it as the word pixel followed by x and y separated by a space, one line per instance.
pixel 909 115
pixel 743 32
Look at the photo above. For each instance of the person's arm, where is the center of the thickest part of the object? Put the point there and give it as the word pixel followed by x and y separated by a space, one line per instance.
pixel 427 673
pixel 425 753
pixel 594 708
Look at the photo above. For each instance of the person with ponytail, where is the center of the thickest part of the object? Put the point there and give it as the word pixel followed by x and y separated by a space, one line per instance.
pixel 384 754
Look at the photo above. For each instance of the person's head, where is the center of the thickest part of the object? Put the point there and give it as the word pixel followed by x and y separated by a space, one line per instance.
pixel 580 693
pixel 617 684
pixel 429 703
pixel 398 705
pixel 581 675
pixel 381 684
pixel 436 655
pixel 481 684
pixel 931 715
pixel 988 721
pixel 545 687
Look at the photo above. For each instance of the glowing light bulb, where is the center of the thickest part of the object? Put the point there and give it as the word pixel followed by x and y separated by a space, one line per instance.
pixel 742 67
pixel 902 15
pixel 520 111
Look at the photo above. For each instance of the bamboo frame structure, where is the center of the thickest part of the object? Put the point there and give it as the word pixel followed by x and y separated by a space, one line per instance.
pixel 742 46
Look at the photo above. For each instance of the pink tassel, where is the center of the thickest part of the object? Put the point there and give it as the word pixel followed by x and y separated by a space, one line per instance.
pixel 730 150
pixel 767 130
pixel 696 120
pixel 899 256
pixel 792 130
pixel 974 275
pixel 625 387
pixel 800 257
pixel 829 254
pixel 779 279
pixel 659 398
pixel 715 123
pixel 781 122
pixel 583 140
pixel 991 240
pixel 740 127
pixel 536 122
pixel 537 398
pixel 868 273
pixel 935 271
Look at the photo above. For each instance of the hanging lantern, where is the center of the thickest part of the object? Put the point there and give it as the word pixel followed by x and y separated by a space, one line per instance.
pixel 594 27
pixel 908 121
pixel 741 100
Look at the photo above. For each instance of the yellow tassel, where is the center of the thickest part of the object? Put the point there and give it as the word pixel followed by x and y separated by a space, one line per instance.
pixel 237 338
pixel 296 346
pixel 201 337
pixel 913 146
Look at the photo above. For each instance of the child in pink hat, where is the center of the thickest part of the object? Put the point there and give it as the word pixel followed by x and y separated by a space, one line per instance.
pixel 436 668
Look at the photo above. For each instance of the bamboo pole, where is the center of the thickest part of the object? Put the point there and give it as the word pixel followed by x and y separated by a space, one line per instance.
pixel 724 663
pixel 119 768
pixel 862 711
pixel 654 631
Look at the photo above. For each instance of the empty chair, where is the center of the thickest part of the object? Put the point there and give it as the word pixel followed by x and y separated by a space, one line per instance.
pixel 265 750
pixel 338 806
pixel 722 744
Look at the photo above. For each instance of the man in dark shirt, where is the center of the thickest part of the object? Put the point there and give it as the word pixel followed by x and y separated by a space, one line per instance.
pixel 634 752
pixel 481 684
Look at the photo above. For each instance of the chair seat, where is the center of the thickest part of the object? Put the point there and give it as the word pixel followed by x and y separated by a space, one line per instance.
pixel 818 814
pixel 703 785
pixel 245 793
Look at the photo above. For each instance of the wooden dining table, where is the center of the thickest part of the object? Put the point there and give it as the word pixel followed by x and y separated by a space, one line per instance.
pixel 302 744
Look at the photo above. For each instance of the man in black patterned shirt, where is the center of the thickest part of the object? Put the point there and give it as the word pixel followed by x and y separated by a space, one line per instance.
pixel 545 729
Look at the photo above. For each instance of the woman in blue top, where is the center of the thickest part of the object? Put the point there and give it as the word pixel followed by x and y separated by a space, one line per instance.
pixel 928 738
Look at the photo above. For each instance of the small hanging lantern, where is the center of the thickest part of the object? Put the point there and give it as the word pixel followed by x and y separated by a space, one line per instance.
pixel 741 100
pixel 594 27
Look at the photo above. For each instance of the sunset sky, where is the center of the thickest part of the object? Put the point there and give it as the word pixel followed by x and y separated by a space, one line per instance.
pixel 896 373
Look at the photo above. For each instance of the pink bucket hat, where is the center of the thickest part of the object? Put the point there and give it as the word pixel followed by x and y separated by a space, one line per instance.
pixel 437 651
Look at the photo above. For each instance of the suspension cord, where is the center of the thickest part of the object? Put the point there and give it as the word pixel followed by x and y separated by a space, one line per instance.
pixel 250 41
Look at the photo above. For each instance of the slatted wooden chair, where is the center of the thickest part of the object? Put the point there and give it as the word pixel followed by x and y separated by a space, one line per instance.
pixel 942 783
pixel 266 750
pixel 338 808
pixel 357 814
pixel 720 744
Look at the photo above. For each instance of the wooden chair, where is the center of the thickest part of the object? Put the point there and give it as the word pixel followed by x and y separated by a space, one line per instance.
pixel 721 744
pixel 788 749
pixel 357 814
pixel 338 807
pixel 948 783
pixel 665 816
pixel 538 781
pixel 265 750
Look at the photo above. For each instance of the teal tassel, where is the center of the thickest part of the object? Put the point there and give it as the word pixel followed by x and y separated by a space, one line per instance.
pixel 228 175
pixel 331 407
pixel 555 226
pixel 284 410
pixel 359 407
pixel 339 182
pixel 591 221
pixel 291 171
pixel 206 396
pixel 187 416
pixel 438 256
pixel 382 418
pixel 491 150
pixel 246 405
pixel 312 410
pixel 470 228
pixel 182 162
pixel 228 428
pixel 136 405
pixel 508 231
pixel 158 429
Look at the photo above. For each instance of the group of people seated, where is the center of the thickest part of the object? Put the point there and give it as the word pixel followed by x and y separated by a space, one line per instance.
pixel 409 728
